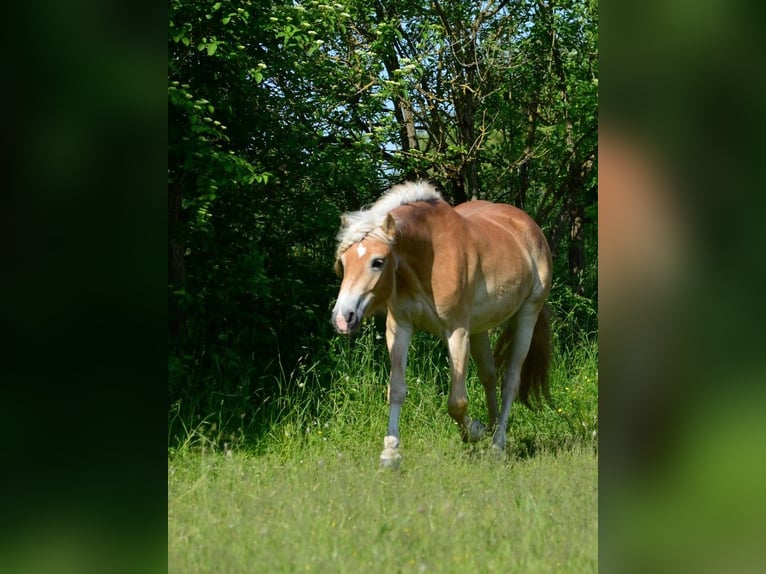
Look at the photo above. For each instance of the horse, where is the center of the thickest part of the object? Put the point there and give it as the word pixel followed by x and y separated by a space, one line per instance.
pixel 457 273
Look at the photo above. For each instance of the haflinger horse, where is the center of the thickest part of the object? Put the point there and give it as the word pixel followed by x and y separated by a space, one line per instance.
pixel 457 273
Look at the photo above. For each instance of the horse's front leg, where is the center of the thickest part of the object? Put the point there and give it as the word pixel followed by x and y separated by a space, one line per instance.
pixel 398 337
pixel 458 342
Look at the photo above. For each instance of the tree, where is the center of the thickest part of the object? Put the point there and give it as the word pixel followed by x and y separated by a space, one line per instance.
pixel 282 115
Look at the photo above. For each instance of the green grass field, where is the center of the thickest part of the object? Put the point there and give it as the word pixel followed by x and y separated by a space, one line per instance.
pixel 309 495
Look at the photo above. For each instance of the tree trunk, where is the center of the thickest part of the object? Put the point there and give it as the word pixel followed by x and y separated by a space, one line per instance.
pixel 576 246
pixel 529 146
pixel 458 189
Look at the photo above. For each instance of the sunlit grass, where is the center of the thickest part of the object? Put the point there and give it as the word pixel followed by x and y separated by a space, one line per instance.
pixel 308 495
pixel 337 511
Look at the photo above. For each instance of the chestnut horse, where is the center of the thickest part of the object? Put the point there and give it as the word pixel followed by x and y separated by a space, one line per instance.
pixel 456 273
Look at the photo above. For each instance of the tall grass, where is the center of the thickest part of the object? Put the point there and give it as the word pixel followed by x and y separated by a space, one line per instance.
pixel 317 511
pixel 341 401
pixel 294 484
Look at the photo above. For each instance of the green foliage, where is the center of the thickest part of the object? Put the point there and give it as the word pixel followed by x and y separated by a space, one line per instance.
pixel 283 115
pixel 575 315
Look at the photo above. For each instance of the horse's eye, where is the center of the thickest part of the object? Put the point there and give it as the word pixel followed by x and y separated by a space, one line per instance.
pixel 378 263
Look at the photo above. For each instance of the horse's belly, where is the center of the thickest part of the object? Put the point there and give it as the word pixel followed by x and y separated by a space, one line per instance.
pixel 489 312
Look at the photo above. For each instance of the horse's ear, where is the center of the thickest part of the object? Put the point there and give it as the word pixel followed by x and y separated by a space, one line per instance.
pixel 343 221
pixel 389 225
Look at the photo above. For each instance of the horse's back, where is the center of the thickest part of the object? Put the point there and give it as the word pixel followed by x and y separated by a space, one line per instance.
pixel 511 219
pixel 501 225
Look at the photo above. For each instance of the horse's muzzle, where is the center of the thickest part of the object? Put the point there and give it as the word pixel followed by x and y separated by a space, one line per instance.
pixel 346 323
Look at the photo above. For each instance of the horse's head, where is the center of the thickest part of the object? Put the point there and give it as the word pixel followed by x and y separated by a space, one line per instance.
pixel 367 267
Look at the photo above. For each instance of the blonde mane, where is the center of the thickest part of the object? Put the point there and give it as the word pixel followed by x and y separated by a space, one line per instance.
pixel 358 224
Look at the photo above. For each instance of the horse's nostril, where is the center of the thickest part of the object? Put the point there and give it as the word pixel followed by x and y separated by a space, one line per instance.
pixel 345 321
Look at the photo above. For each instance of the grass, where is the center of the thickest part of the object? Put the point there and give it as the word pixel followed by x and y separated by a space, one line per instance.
pixel 444 512
pixel 309 495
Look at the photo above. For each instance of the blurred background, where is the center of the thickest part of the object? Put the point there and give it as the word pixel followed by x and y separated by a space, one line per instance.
pixel 681 268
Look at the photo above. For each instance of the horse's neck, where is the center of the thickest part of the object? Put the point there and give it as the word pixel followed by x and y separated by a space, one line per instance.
pixel 408 283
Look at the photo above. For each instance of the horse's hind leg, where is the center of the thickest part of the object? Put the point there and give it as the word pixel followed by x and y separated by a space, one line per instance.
pixel 524 322
pixel 481 351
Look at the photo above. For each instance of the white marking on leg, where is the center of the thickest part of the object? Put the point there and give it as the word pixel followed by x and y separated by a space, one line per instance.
pixel 390 456
pixel 398 341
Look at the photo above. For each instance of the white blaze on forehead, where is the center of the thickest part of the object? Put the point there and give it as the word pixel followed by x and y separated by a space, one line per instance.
pixel 361 250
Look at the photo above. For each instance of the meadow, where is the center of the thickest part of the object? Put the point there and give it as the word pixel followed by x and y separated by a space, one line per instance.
pixel 307 493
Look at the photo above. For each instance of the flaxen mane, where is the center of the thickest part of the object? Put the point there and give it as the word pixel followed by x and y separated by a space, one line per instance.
pixel 357 224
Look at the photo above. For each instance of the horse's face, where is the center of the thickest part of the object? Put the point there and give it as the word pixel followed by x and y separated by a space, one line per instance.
pixel 368 279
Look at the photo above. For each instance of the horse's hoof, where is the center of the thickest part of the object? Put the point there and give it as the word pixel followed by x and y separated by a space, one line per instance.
pixel 498 444
pixel 387 460
pixel 476 431
pixel 390 457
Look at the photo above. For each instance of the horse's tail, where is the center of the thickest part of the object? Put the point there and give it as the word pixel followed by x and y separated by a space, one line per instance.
pixel 534 372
